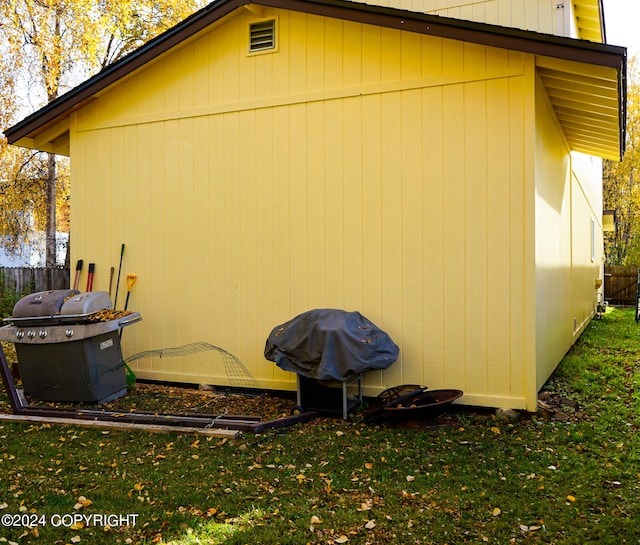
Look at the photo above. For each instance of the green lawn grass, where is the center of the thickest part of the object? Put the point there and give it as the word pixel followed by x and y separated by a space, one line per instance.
pixel 484 479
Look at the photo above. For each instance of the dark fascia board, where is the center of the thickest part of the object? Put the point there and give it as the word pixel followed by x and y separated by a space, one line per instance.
pixel 434 25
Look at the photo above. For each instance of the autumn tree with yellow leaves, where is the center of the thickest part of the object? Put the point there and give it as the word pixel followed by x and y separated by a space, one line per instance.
pixel 46 48
pixel 621 183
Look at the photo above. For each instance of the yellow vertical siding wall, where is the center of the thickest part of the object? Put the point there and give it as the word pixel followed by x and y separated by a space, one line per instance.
pixel 568 258
pixel 587 252
pixel 355 167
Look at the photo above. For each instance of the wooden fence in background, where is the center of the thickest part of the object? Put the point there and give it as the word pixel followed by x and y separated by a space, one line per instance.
pixel 620 285
pixel 31 280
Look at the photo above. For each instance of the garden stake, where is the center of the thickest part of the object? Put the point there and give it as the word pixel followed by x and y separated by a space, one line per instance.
pixel 115 300
pixel 111 280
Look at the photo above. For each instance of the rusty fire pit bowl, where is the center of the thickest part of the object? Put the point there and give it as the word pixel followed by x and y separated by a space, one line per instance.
pixel 425 400
pixel 411 401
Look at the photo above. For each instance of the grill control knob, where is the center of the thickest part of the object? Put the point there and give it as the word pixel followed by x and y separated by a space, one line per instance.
pixel 31 334
pixel 20 334
pixel 69 332
pixel 43 333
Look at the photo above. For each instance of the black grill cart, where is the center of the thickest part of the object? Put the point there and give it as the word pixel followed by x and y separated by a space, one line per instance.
pixel 329 396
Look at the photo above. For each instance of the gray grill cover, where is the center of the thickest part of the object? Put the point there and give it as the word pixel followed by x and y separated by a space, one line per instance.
pixel 329 344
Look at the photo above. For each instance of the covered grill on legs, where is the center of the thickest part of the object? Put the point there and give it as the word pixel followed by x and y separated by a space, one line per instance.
pixel 327 345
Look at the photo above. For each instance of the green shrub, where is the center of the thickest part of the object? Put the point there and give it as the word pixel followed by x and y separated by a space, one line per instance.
pixel 8 297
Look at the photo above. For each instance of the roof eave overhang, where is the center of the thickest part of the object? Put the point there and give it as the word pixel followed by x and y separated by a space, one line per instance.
pixel 84 93
pixel 27 131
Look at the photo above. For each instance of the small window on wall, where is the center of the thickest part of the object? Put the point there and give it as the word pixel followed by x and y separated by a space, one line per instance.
pixel 262 36
pixel 593 240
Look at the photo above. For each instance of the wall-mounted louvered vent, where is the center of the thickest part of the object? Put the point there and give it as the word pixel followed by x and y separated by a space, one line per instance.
pixel 262 36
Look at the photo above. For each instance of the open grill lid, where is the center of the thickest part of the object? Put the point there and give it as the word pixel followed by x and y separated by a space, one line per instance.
pixel 58 306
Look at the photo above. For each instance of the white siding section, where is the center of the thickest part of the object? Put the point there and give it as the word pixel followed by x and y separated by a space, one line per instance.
pixel 546 16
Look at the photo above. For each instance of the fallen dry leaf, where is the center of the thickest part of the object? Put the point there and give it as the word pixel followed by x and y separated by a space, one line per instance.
pixel 341 539
pixel 370 525
pixel 82 502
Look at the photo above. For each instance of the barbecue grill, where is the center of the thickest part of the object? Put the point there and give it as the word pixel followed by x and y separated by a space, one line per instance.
pixel 68 345
pixel 327 345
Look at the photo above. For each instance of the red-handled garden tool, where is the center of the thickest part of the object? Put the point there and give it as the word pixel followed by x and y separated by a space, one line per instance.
pixel 92 269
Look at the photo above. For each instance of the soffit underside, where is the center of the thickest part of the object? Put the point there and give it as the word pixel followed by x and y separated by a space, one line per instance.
pixel 587 106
